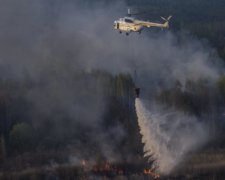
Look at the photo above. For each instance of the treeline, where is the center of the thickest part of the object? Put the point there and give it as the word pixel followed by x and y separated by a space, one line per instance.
pixel 26 128
pixel 203 100
pixel 23 128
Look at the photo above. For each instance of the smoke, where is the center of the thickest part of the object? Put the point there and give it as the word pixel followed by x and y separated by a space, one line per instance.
pixel 177 57
pixel 43 56
pixel 168 135
pixel 55 36
pixel 56 45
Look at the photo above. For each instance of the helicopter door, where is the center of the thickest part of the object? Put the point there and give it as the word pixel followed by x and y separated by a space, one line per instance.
pixel 117 25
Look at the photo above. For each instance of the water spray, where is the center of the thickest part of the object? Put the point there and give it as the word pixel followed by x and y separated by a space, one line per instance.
pixel 167 135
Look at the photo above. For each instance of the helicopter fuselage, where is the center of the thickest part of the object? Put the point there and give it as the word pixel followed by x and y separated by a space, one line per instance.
pixel 127 25
pixel 130 24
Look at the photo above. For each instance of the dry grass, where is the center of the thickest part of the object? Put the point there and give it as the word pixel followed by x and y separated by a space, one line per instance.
pixel 202 165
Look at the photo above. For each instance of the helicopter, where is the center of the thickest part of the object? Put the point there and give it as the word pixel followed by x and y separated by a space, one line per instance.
pixel 130 24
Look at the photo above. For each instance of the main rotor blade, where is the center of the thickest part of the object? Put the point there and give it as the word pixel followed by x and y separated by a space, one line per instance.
pixel 140 13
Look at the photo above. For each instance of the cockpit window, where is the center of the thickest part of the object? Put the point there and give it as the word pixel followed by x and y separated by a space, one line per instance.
pixel 128 20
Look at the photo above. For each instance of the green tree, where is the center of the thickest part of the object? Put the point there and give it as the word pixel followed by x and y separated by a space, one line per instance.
pixel 221 85
pixel 22 137
pixel 5 100
pixel 2 149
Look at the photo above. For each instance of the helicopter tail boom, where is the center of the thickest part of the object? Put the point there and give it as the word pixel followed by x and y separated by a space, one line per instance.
pixel 152 24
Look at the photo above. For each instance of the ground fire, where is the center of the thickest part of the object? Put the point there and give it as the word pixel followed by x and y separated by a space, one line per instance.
pixel 112 169
pixel 152 173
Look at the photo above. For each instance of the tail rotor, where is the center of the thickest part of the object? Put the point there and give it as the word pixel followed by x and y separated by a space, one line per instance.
pixel 166 24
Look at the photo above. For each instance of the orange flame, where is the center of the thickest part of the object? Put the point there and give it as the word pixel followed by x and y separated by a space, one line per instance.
pixel 151 173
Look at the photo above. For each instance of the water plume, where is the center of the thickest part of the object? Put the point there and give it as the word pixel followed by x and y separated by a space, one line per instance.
pixel 167 135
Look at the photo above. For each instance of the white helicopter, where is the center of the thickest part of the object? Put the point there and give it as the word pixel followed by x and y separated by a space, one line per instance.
pixel 130 24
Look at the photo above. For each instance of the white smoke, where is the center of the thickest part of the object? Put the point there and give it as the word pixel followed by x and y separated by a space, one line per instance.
pixel 168 135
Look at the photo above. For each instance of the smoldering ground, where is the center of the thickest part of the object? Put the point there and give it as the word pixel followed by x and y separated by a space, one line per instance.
pixel 50 43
